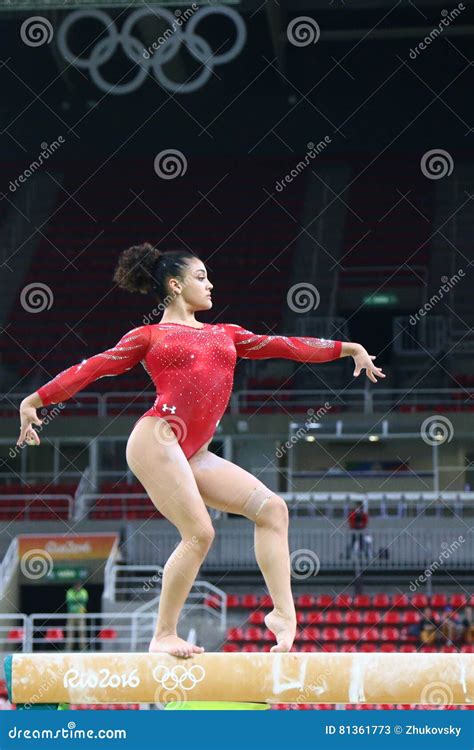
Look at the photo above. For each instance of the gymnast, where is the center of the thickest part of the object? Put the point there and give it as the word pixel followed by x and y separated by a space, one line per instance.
pixel 192 366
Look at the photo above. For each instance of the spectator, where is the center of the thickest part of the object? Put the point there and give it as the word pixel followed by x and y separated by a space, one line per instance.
pixel 76 601
pixel 467 623
pixel 450 626
pixel 427 627
pixel 358 519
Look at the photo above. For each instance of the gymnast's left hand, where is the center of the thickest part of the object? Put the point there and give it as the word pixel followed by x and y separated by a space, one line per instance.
pixel 363 361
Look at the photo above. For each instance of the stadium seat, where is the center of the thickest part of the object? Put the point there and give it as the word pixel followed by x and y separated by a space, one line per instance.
pixel 353 618
pixel 310 634
pixel 54 634
pixel 392 617
pixel 16 634
pixel 315 618
pixel 439 601
pixel 333 617
pixel 361 601
pixel 250 601
pixel 381 601
pixel 371 617
pixel 343 601
pixel 389 634
pixel 305 601
pixel 323 601
pixel 420 601
pixel 351 634
pixel 410 617
pixel 331 634
pixel 388 648
pixel 257 618
pixel 108 634
pixel 233 601
pixel 400 601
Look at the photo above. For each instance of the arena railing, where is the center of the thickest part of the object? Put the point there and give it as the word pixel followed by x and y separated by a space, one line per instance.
pixel 365 400
pixel 330 549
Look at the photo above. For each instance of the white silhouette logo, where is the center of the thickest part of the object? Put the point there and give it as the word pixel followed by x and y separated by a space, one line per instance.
pixel 101 51
pixel 171 409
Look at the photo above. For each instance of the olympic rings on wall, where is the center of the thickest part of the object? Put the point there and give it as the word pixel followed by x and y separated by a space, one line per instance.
pixel 104 48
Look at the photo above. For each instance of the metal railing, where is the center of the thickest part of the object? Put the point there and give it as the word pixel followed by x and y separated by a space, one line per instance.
pixel 331 549
pixel 8 565
pixel 142 583
pixel 128 403
pixel 25 507
pixel 94 631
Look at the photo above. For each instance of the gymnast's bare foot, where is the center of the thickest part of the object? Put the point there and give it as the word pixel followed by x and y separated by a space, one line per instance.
pixel 283 628
pixel 174 645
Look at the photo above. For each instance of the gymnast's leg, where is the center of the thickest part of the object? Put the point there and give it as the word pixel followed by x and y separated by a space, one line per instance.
pixel 228 487
pixel 155 457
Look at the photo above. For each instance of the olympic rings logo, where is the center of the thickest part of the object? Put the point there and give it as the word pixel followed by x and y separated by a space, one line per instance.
pixel 103 49
pixel 179 676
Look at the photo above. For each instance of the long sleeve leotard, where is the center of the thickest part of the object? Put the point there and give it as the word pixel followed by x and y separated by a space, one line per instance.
pixel 192 369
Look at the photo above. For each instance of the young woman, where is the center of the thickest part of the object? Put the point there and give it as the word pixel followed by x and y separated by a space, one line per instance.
pixel 192 366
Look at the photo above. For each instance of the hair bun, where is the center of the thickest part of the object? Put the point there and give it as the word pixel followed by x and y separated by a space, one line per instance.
pixel 135 268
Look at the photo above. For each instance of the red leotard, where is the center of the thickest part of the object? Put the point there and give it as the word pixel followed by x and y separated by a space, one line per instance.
pixel 192 369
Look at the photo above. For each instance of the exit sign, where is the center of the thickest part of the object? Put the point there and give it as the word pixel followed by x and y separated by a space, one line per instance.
pixel 380 300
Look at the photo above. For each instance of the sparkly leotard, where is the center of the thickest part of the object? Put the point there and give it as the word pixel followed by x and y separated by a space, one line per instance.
pixel 192 369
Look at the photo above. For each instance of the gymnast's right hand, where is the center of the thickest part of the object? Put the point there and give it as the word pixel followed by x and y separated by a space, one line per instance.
pixel 28 417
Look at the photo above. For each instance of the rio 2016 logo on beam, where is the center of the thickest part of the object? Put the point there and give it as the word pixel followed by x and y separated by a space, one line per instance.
pixel 103 49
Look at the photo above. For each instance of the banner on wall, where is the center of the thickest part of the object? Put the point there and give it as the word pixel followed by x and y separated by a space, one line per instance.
pixel 95 546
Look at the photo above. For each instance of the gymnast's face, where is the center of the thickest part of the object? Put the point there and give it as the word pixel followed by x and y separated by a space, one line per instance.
pixel 196 287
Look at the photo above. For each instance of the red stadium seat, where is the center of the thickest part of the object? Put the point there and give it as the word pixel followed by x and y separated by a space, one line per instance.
pixel 408 648
pixel 266 601
pixel 108 634
pixel 230 648
pixel 250 647
pixel 257 618
pixel 348 648
pixel 54 634
pixel 401 601
pixel 233 601
pixel 249 601
pixel 381 601
pixel 331 634
pixel 457 600
pixel 254 634
pixel 371 617
pixel 309 647
pixel 315 618
pixel 361 601
pixel 368 648
pixel 323 601
pixel 370 634
pixel 392 617
pixel 333 617
pixel 410 617
pixel 388 648
pixel 390 634
pixel 343 601
pixel 351 634
pixel 15 634
pixel 235 634
pixel 420 601
pixel 439 601
pixel 310 634
pixel 353 618
pixel 305 600
pixel 301 618
pixel 329 647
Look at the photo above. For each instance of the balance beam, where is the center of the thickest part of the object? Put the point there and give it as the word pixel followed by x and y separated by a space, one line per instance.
pixel 94 678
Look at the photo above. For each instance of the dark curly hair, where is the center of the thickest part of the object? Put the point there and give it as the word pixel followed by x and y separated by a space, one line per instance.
pixel 144 268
